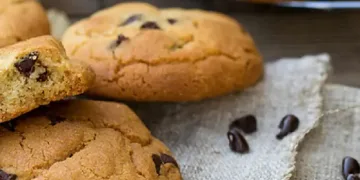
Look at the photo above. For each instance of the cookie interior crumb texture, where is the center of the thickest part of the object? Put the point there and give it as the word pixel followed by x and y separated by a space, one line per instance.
pixel 35 72
pixel 93 141
pixel 168 54
pixel 21 20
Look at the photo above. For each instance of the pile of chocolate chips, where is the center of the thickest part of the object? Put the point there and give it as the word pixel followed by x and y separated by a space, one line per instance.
pixel 247 124
pixel 350 168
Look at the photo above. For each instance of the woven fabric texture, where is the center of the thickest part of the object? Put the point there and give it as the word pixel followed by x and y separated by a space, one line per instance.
pixel 321 153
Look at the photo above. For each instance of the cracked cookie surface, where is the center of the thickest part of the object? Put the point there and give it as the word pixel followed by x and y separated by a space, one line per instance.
pixel 143 53
pixel 83 140
pixel 35 72
pixel 21 20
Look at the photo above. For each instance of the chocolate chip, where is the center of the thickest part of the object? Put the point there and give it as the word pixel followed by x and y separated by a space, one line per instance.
pixel 353 177
pixel 168 159
pixel 157 161
pixel 350 166
pixel 246 123
pixel 118 41
pixel 287 125
pixel 150 25
pixel 26 64
pixel 43 76
pixel 6 176
pixel 131 19
pixel 55 119
pixel 9 125
pixel 237 142
pixel 171 21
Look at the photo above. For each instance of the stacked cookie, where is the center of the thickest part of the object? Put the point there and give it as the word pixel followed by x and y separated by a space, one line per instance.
pixel 136 52
pixel 67 139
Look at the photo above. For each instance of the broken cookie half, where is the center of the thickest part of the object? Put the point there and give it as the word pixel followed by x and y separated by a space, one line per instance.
pixel 36 72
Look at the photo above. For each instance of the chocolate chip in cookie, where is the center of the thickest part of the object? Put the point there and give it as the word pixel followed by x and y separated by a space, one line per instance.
pixel 33 55
pixel 43 76
pixel 131 19
pixel 157 161
pixel 26 65
pixel 6 176
pixel 171 21
pixel 55 119
pixel 121 38
pixel 9 125
pixel 150 25
pixel 168 159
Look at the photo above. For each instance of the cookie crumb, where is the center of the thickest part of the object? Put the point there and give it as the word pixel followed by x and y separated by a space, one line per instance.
pixel 43 76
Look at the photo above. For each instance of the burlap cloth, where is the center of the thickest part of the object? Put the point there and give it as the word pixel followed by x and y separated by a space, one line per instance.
pixel 338 135
pixel 196 132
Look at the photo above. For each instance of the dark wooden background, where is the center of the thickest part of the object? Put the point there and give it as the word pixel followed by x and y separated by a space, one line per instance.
pixel 278 32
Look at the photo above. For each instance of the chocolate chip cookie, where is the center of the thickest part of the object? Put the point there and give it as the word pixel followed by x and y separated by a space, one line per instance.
pixel 83 140
pixel 21 20
pixel 143 53
pixel 35 72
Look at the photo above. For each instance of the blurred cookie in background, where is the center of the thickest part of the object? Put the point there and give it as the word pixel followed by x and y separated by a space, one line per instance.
pixel 59 22
pixel 21 20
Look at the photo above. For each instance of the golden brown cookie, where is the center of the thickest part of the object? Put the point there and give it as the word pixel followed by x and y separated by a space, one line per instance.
pixel 143 53
pixel 21 20
pixel 83 140
pixel 36 72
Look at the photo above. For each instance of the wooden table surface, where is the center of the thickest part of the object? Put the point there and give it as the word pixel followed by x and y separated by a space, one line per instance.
pixel 288 33
pixel 295 34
